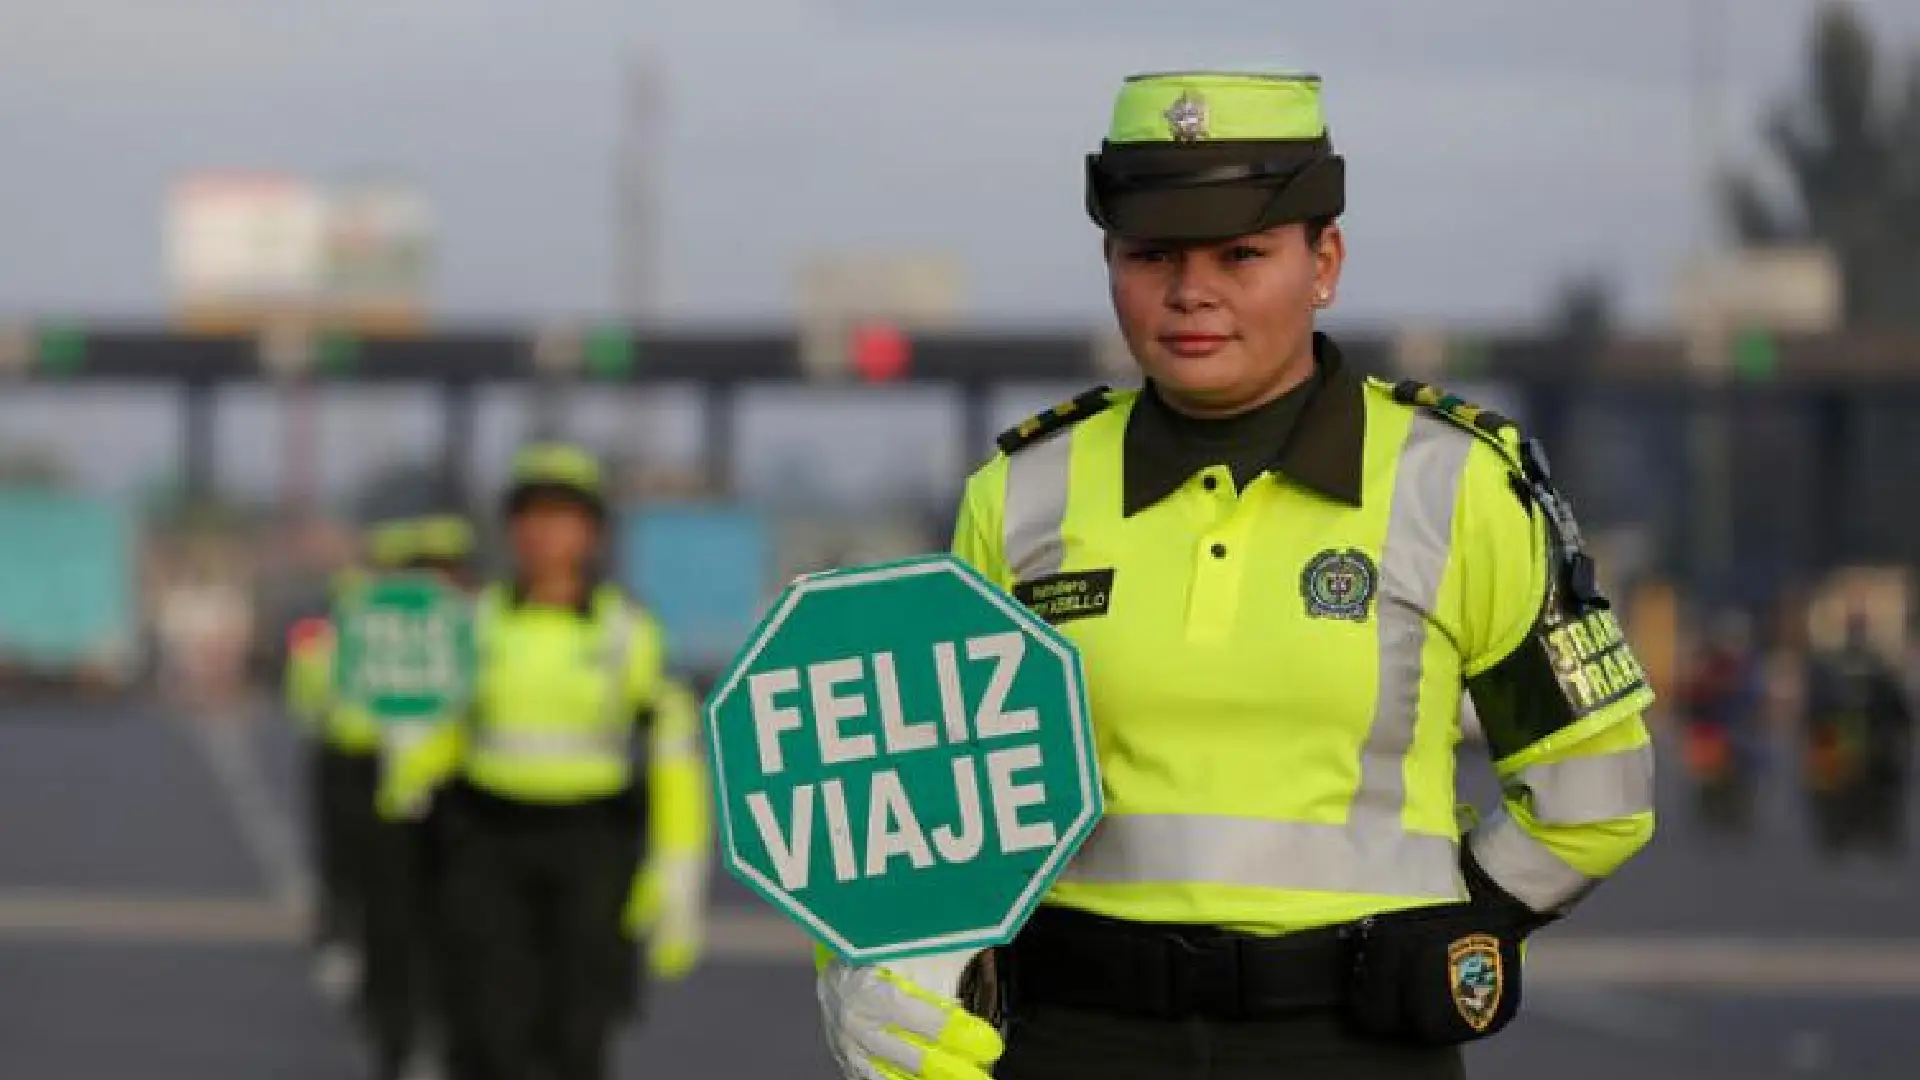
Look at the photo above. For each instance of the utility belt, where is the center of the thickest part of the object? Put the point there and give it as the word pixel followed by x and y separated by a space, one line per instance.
pixel 1430 976
pixel 475 803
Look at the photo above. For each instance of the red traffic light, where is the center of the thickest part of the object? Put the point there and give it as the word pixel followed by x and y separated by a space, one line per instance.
pixel 881 353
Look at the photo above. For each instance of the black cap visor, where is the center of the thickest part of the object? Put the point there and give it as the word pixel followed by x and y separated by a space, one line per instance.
pixel 520 496
pixel 1215 192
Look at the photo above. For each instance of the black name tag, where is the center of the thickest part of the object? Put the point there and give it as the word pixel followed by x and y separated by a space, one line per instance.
pixel 1059 598
pixel 1592 663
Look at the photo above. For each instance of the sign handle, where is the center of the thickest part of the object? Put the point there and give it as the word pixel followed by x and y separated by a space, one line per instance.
pixel 936 973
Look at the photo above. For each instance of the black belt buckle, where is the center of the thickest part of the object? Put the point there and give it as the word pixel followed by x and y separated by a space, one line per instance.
pixel 1204 976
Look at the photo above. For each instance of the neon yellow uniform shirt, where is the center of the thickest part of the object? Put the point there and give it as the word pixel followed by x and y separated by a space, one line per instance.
pixel 1275 673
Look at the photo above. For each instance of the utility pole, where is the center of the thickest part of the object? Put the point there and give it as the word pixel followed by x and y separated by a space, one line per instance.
pixel 636 191
pixel 1710 427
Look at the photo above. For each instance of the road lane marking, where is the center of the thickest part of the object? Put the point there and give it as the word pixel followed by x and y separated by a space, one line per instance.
pixel 1813 967
pixel 266 825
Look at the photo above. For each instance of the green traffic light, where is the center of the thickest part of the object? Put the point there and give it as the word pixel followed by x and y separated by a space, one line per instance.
pixel 62 350
pixel 1756 356
pixel 338 353
pixel 610 353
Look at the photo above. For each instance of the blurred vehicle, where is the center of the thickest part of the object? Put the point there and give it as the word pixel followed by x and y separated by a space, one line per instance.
pixel 69 606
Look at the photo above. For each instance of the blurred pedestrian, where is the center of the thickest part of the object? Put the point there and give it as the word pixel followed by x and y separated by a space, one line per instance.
pixel 1721 701
pixel 1858 739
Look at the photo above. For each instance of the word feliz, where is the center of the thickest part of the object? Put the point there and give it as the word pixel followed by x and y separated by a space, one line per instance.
pixel 894 827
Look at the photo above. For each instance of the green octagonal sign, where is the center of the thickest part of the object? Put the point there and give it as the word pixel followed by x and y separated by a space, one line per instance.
pixel 902 759
pixel 406 647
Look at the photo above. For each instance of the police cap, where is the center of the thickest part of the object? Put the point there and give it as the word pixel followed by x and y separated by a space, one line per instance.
pixel 1204 156
pixel 556 470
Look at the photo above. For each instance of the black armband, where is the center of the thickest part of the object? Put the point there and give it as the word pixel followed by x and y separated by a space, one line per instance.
pixel 1576 661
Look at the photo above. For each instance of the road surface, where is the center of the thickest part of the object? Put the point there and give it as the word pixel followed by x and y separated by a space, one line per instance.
pixel 151 869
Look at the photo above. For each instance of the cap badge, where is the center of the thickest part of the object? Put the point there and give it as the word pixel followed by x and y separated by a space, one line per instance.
pixel 1187 117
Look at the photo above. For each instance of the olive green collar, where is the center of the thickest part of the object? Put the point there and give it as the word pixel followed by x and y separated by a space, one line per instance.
pixel 1318 446
pixel 517 594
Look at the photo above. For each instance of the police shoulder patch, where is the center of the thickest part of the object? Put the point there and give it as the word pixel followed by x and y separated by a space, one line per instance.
pixel 1477 977
pixel 1043 424
pixel 1339 585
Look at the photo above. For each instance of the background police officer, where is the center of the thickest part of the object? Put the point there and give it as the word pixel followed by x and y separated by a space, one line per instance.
pixel 543 823
pixel 405 944
pixel 344 757
pixel 1303 569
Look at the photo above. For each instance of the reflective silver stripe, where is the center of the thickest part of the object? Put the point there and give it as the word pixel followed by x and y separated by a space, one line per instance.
pixel 405 735
pixel 613 739
pixel 1202 849
pixel 1412 563
pixel 1036 506
pixel 616 629
pixel 1587 789
pixel 670 747
pixel 1525 867
pixel 1372 852
pixel 548 744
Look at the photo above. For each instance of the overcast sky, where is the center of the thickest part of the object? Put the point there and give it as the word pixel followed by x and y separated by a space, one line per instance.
pixel 1494 145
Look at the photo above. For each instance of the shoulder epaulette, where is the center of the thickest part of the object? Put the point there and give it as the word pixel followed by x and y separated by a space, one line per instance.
pixel 1532 477
pixel 1042 424
pixel 1483 422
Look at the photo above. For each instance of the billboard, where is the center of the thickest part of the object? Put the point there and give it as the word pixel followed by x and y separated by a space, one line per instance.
pixel 379 247
pixel 243 249
pixel 245 240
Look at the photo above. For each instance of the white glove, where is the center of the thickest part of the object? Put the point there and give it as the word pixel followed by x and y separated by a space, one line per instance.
pixel 679 934
pixel 880 1026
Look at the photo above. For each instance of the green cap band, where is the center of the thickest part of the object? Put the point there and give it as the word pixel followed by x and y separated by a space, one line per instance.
pixel 1198 106
pixel 443 537
pixel 553 463
pixel 556 470
pixel 391 544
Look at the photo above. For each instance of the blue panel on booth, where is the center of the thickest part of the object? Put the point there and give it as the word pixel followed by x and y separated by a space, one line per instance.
pixel 702 570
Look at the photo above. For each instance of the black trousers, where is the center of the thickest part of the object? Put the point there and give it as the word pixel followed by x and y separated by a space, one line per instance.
pixel 406 944
pixel 532 902
pixel 1045 1043
pixel 343 821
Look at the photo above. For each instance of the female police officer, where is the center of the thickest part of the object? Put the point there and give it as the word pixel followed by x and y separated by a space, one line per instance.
pixel 1302 570
pixel 542 828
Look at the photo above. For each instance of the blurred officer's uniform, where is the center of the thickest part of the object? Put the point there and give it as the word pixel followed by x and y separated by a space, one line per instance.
pixel 344 756
pixel 1277 614
pixel 542 812
pixel 406 946
pixel 665 908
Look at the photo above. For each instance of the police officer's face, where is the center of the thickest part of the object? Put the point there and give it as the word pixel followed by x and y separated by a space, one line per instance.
pixel 552 536
pixel 1223 327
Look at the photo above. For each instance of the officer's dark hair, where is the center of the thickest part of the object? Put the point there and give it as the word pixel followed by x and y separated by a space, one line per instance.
pixel 1315 229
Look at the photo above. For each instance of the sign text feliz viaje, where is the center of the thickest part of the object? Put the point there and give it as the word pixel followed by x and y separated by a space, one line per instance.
pixel 851 709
